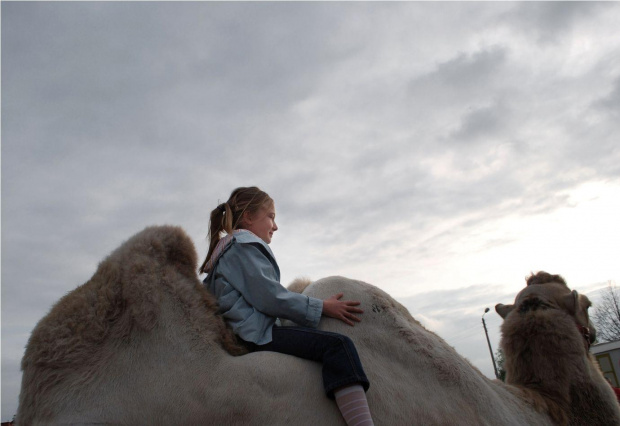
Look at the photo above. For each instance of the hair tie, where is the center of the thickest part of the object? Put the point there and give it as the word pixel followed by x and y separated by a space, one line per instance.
pixel 222 207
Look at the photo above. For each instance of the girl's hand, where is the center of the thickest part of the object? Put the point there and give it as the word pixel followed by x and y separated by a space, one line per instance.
pixel 342 310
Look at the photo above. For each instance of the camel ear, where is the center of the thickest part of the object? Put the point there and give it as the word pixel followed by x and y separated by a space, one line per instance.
pixel 503 310
pixel 571 301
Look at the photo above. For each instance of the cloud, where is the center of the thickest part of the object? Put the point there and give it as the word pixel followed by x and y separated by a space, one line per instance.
pixel 486 122
pixel 11 383
pixel 461 75
pixel 549 22
pixel 611 102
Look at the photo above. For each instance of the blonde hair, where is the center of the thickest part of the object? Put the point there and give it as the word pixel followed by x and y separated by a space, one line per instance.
pixel 228 216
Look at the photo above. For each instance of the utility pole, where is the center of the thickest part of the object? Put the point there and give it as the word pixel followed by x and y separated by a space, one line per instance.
pixel 489 342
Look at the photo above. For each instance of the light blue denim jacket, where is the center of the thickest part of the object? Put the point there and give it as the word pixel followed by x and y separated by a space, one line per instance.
pixel 245 279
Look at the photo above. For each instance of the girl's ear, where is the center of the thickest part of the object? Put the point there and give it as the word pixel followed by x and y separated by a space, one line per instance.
pixel 246 219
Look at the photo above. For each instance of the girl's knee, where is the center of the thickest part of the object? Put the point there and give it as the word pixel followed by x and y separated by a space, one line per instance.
pixel 345 342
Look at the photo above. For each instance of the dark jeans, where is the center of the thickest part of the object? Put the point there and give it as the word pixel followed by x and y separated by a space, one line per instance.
pixel 341 364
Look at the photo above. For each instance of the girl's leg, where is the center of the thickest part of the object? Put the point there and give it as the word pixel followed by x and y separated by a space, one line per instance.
pixel 352 403
pixel 342 369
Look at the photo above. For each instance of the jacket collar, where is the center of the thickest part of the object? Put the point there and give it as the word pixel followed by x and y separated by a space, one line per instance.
pixel 239 235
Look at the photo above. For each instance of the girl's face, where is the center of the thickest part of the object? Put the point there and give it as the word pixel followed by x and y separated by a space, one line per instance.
pixel 263 222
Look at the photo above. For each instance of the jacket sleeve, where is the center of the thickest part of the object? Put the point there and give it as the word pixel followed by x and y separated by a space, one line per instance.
pixel 252 274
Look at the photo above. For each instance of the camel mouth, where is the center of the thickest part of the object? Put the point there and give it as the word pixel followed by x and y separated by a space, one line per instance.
pixel 533 304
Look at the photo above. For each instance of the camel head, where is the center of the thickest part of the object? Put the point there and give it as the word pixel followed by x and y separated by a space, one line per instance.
pixel 545 291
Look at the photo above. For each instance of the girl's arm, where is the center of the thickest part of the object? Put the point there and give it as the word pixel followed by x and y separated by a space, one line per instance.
pixel 251 273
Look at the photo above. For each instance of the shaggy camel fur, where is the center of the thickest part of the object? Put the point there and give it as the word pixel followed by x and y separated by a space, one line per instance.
pixel 140 343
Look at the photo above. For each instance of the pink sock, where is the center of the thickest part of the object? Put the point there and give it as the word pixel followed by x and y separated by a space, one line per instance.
pixel 353 405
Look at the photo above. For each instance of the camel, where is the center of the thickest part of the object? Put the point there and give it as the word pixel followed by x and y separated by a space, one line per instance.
pixel 546 337
pixel 140 343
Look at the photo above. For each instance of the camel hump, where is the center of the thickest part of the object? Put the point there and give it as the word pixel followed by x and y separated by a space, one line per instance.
pixel 165 244
pixel 298 285
pixel 124 293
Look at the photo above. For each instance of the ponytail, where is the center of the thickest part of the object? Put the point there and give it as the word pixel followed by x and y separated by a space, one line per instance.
pixel 219 222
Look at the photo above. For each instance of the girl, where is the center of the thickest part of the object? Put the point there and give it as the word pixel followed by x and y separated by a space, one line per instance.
pixel 243 275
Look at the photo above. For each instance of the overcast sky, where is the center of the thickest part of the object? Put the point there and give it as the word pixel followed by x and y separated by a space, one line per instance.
pixel 441 151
